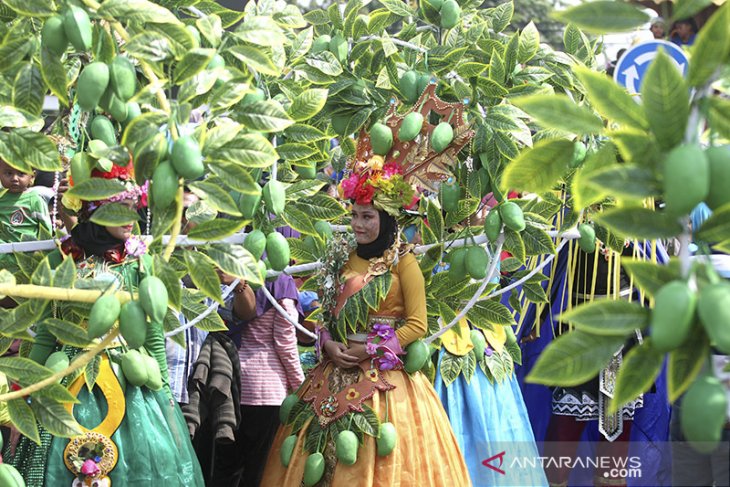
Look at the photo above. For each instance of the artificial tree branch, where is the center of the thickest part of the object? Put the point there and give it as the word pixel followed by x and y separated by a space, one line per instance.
pixel 32 291
pixel 77 363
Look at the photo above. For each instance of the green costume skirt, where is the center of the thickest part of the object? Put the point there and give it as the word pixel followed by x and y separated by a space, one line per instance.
pixel 153 442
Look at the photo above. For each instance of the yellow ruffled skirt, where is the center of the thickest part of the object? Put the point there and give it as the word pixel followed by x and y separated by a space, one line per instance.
pixel 426 451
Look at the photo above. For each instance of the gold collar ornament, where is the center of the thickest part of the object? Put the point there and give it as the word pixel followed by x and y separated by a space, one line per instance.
pixel 92 455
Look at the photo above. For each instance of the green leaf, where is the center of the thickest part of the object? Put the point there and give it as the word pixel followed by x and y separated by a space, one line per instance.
pixel 710 49
pixel 211 29
pixel 203 274
pixel 683 9
pixel 636 145
pixel 235 261
pixel 235 177
pixel 228 17
pixel 28 89
pixel 398 7
pixel 91 372
pixel 216 229
pixel 450 367
pixel 320 207
pixel 717 227
pixel 665 97
pixel 290 17
pixel 326 63
pixel 514 245
pixel 67 333
pixel 540 167
pixel 560 112
pixel 64 275
pixel 95 189
pixel 114 215
pixel 501 16
pixel 150 46
pixel 466 208
pixel 136 11
pixel 640 367
pixel 719 116
pixel 608 317
pixel 293 151
pixel 141 127
pixel 12 51
pixel 317 17
pixel 650 277
pixel 304 133
pixel 686 362
pixel 54 417
pixel 264 116
pixel 255 58
pixel 603 16
pixel 537 241
pixel 489 311
pixel 249 150
pixel 308 104
pixel 33 148
pixel 299 220
pixel 192 63
pixel 54 75
pixel 301 190
pixel 23 419
pixel 529 43
pixel 639 223
pixel 573 358
pixel 170 278
pixel 609 99
pixel 32 8
pixel 260 31
pixel 628 180
pixel 215 196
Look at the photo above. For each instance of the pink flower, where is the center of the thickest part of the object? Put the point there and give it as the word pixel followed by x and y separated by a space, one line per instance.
pixel 371 348
pixel 90 468
pixel 389 361
pixel 391 169
pixel 349 185
pixel 135 246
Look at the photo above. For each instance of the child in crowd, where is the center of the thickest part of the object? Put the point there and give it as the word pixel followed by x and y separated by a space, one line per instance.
pixel 23 213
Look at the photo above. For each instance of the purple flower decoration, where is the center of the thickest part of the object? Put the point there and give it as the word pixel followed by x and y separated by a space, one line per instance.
pixel 135 246
pixel 488 351
pixel 90 468
pixel 384 331
pixel 388 361
pixel 371 348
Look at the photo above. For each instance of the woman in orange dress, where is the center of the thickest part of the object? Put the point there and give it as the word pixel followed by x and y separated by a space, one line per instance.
pixel 360 419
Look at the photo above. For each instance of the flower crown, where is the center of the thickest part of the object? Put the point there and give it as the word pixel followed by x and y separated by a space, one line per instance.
pixel 373 181
pixel 389 182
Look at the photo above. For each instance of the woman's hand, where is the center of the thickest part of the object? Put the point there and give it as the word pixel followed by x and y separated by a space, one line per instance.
pixel 358 350
pixel 340 355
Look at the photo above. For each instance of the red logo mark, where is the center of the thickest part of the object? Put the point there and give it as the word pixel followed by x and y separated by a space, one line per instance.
pixel 488 462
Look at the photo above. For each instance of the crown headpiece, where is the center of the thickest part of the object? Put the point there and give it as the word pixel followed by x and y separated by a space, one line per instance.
pixel 390 180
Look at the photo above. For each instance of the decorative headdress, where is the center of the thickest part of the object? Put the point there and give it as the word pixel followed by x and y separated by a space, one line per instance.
pixel 122 173
pixel 391 182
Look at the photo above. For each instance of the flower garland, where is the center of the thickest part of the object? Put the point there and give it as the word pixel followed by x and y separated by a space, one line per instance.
pixel 380 184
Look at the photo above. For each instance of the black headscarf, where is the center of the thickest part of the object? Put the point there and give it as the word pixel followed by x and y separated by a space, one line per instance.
pixel 386 238
pixel 94 239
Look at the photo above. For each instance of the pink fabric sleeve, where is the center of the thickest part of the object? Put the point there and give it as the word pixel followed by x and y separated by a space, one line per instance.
pixel 285 343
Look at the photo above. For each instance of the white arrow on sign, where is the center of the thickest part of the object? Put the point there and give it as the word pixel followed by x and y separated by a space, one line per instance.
pixel 632 74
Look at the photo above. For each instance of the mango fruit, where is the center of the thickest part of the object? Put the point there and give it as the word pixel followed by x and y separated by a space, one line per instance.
pixel 53 35
pixel 103 129
pixel 274 196
pixel 255 96
pixel 587 240
pixel 450 14
pixel 57 361
pixel 313 469
pixel 346 447
pixel 450 195
pixel 703 413
pixel 493 225
pixel 77 25
pixel 10 477
pixel 457 265
pixel 476 262
pixel 512 216
pixel 255 243
pixel 442 136
pixel 154 376
pixel 672 316
pixel 91 85
pixel 579 154
pixel 104 313
pixel 386 439
pixel 277 251
pixel 134 368
pixel 423 80
pixel 408 86
pixel 187 158
pixel 153 298
pixel 718 159
pixel 133 324
pixel 122 78
pixel 133 111
pixel 287 448
pixel 416 355
pixel 306 170
pixel 410 127
pixel 479 342
pixel 164 185
pixel 686 179
pixel 713 307
pixel 381 139
pixel 324 229
pixel 249 203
